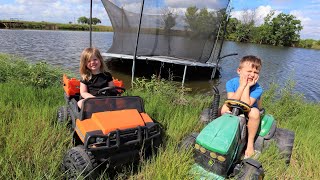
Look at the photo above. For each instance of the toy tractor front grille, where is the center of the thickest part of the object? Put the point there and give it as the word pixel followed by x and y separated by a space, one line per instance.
pixel 212 161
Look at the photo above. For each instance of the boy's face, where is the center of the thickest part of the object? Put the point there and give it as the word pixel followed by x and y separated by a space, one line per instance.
pixel 247 70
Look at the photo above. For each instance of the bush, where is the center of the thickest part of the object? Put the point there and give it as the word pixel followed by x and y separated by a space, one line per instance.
pixel 41 75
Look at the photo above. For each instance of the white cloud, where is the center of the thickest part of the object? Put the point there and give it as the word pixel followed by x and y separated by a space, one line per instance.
pixel 300 15
pixel 310 24
pixel 10 9
pixel 198 3
pixel 35 2
pixel 63 11
pixel 258 14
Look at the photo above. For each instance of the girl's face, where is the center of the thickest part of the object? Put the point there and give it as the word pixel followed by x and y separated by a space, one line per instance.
pixel 94 65
pixel 248 71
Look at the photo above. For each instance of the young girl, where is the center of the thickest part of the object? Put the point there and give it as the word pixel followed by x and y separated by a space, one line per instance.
pixel 93 73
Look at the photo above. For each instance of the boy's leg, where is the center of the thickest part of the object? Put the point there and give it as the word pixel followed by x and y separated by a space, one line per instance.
pixel 253 125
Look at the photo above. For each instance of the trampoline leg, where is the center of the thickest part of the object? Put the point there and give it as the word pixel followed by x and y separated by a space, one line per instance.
pixel 214 70
pixel 133 69
pixel 184 75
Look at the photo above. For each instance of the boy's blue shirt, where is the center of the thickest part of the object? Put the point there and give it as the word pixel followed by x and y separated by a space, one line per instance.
pixel 255 91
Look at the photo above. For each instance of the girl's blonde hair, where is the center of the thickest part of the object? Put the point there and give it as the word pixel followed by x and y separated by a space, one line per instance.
pixel 255 62
pixel 86 55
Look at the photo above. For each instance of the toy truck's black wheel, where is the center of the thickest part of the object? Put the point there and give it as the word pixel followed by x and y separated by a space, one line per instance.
pixel 78 162
pixel 188 142
pixel 156 143
pixel 285 139
pixel 62 114
pixel 250 170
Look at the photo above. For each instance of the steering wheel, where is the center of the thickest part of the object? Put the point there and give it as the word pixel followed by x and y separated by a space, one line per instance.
pixel 233 103
pixel 111 91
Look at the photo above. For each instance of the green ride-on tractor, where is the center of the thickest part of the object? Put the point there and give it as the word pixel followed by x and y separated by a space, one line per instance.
pixel 109 129
pixel 219 147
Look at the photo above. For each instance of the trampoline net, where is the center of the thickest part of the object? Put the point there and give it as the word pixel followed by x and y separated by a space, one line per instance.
pixel 187 30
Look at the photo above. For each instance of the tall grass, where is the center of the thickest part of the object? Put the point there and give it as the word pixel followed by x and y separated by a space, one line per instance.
pixel 32 146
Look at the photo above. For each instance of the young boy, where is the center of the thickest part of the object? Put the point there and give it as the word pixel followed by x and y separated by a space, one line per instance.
pixel 245 88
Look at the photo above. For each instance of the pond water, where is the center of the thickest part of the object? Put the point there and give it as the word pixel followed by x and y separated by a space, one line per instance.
pixel 63 48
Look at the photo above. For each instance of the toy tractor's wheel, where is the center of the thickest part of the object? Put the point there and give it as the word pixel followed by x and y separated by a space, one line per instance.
pixel 62 114
pixel 188 142
pixel 285 139
pixel 78 162
pixel 250 170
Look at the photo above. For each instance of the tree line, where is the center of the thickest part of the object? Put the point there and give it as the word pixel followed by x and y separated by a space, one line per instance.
pixel 85 20
pixel 278 30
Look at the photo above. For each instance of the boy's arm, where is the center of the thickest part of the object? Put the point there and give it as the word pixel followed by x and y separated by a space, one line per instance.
pixel 246 96
pixel 237 95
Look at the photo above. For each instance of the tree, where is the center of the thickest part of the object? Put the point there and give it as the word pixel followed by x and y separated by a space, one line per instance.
pixel 285 30
pixel 232 26
pixel 307 43
pixel 83 20
pixel 202 23
pixel 264 32
pixel 95 21
pixel 245 29
pixel 169 20
pixel 191 18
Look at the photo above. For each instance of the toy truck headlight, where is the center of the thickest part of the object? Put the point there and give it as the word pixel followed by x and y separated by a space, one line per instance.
pixel 99 139
pixel 94 140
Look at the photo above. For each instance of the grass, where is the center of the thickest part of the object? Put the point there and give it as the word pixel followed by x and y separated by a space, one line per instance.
pixel 32 145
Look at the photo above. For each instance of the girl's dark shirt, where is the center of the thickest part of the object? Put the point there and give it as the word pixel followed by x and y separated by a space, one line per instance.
pixel 97 82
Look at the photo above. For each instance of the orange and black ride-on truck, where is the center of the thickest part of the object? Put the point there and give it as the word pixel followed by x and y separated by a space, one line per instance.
pixel 110 129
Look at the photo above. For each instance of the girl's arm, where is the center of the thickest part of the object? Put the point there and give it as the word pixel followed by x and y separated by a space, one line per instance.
pixel 84 91
pixel 110 84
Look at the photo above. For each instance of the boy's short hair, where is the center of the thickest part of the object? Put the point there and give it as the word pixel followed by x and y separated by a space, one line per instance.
pixel 255 61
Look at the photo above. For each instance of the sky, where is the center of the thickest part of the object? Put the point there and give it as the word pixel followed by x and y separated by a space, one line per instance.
pixel 65 11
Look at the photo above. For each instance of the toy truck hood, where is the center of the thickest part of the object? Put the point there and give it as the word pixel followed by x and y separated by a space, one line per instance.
pixel 106 122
